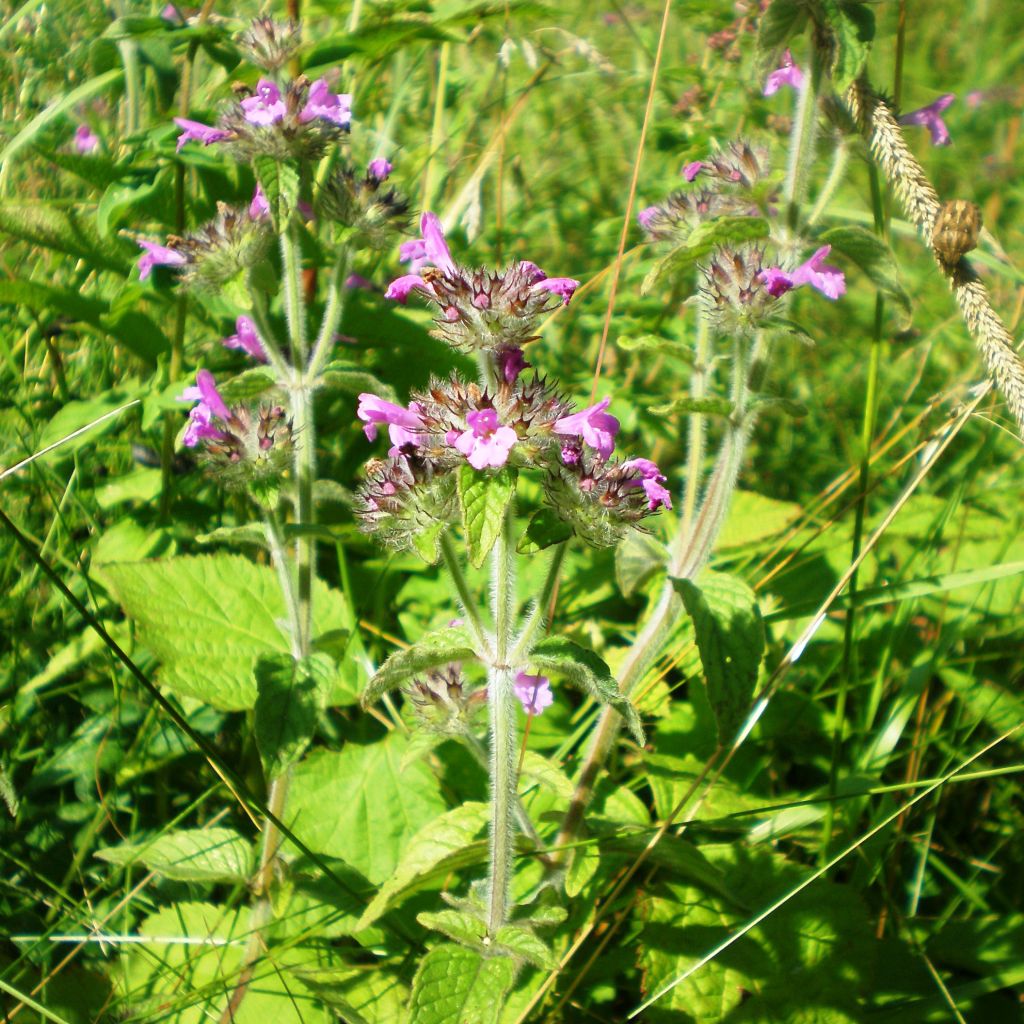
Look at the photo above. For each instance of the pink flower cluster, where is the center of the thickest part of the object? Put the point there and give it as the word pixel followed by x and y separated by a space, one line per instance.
pixel 830 281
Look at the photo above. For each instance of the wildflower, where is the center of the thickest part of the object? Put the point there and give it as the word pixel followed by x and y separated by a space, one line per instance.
pixel 359 282
pixel 830 281
pixel 646 217
pixel 480 309
pixel 266 107
pixel 691 170
pixel 533 692
pixel 209 405
pixel 442 703
pixel 511 363
pixel 379 168
pixel 269 44
pixel 651 479
pixel 171 13
pixel 789 74
pixel 86 140
pixel 198 132
pixel 364 203
pixel 733 292
pixel 402 422
pixel 223 247
pixel 259 205
pixel 485 443
pixel 929 118
pixel 247 339
pixel 597 427
pixel 326 105
pixel 157 255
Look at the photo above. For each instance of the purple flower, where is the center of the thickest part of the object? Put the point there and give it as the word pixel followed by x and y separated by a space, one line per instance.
pixel 788 74
pixel 975 98
pixel 266 107
pixel 157 255
pixel 929 118
pixel 210 405
pixel 379 168
pixel 651 479
pixel 401 421
pixel 645 216
pixel 247 339
pixel 564 286
pixel 360 282
pixel 259 205
pixel 690 171
pixel 594 425
pixel 830 281
pixel 326 104
pixel 485 442
pixel 400 288
pixel 198 132
pixel 86 141
pixel 171 13
pixel 511 363
pixel 533 692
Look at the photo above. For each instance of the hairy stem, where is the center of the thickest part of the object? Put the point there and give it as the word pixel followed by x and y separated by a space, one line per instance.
pixel 332 313
pixel 451 562
pixel 294 307
pixel 538 618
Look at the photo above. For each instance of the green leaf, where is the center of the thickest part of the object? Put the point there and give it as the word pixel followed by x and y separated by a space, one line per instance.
pixel 61 229
pixel 210 618
pixel 521 942
pixel 452 643
pixel 686 405
pixel 42 298
pixel 546 527
pixel 361 805
pixel 465 928
pixel 73 416
pixel 702 241
pixel 190 855
pixel 781 22
pixel 586 670
pixel 730 638
pixel 427 543
pixel 246 386
pixel 439 848
pixel 484 497
pixel 290 696
pixel 853 27
pixel 650 343
pixel 755 517
pixel 456 984
pixel 874 256
pixel 586 859
pixel 280 182
pixel 638 558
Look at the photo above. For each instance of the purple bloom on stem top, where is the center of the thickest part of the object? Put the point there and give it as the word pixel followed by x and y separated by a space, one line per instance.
pixel 211 396
pixel 259 205
pixel 830 281
pixel 86 140
pixel 435 247
pixel 400 288
pixel 198 132
pixel 597 427
pixel 690 171
pixel 379 168
pixel 209 405
pixel 788 74
pixel 485 442
pixel 157 255
pixel 414 252
pixel 373 410
pixel 511 363
pixel 651 479
pixel 266 107
pixel 333 107
pixel 533 692
pixel 247 339
pixel 929 118
pixel 170 13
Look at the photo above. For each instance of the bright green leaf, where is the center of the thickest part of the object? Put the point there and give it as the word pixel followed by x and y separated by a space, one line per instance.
pixel 452 643
pixel 484 497
pixel 457 984
pixel 189 855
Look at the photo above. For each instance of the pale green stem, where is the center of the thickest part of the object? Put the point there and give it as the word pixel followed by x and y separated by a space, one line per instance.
pixel 538 618
pixel 437 129
pixel 501 707
pixel 697 428
pixel 275 356
pixel 336 293
pixel 801 142
pixel 294 307
pixel 304 432
pixel 469 608
pixel 835 178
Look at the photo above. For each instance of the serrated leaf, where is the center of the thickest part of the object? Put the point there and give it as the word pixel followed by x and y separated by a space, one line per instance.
pixel 42 298
pixel 290 697
pixel 210 618
pixel 521 942
pixel 452 643
pixel 687 405
pixel 730 639
pixel 545 528
pixel 701 242
pixel 456 984
pixel 361 805
pixel 874 256
pixel 189 855
pixel 438 848
pixel 246 386
pixel 63 230
pixel 649 343
pixel 248 533
pixel 853 27
pixel 588 671
pixel 280 182
pixel 427 543
pixel 783 20
pixel 539 769
pixel 586 859
pixel 465 928
pixel 484 497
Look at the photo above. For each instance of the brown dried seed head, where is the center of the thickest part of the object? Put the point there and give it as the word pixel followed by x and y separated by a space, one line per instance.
pixel 956 230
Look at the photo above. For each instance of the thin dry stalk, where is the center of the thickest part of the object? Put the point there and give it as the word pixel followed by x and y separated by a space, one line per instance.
pixel 921 205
